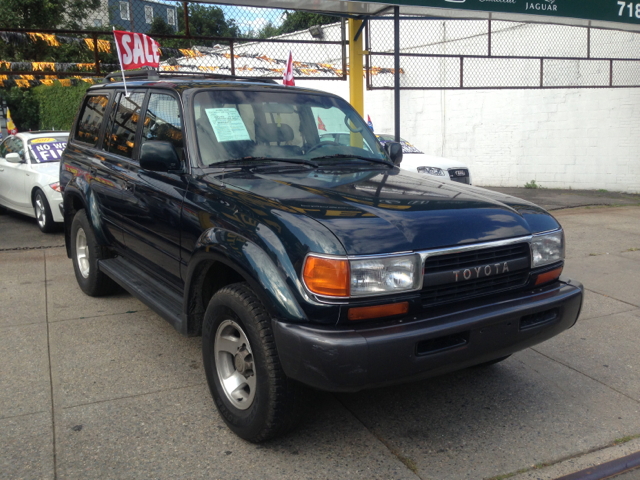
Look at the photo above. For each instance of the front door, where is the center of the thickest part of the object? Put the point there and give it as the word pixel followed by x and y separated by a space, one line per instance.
pixel 14 178
pixel 152 202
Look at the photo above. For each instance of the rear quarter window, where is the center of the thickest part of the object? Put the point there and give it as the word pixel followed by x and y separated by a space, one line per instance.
pixel 91 118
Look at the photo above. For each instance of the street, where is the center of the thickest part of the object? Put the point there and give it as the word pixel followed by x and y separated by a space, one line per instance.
pixel 105 388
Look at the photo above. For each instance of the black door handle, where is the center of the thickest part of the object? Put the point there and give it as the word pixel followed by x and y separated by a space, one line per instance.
pixel 93 171
pixel 129 187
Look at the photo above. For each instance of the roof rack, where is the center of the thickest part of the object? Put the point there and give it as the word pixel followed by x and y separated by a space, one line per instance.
pixel 154 75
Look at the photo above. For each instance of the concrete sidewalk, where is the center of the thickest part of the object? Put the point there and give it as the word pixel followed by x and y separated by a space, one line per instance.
pixel 104 388
pixel 555 199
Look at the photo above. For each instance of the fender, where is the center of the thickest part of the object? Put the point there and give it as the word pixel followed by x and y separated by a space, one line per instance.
pixel 79 188
pixel 252 263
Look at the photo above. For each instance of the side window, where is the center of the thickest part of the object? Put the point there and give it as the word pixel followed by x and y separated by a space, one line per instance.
pixel 3 148
pixel 18 147
pixel 162 121
pixel 91 117
pixel 125 122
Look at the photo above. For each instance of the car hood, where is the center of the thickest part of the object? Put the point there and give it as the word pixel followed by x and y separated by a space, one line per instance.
pixel 414 160
pixel 386 211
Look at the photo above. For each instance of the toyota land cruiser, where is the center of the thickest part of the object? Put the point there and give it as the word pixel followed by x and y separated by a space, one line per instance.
pixel 301 261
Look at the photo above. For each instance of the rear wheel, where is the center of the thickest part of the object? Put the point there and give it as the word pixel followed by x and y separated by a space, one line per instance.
pixel 253 395
pixel 43 212
pixel 85 253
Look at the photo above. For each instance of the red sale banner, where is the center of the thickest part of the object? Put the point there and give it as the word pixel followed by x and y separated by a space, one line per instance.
pixel 136 50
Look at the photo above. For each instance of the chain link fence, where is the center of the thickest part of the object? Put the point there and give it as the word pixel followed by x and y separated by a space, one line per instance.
pixel 484 54
pixel 194 38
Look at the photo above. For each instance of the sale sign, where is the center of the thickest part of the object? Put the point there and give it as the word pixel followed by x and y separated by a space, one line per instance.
pixel 136 50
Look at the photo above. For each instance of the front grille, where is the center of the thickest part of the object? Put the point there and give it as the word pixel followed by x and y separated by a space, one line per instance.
pixel 473 288
pixel 473 258
pixel 454 177
pixel 455 291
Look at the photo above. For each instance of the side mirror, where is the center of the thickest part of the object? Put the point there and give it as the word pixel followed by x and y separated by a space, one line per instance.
pixel 13 158
pixel 159 156
pixel 394 150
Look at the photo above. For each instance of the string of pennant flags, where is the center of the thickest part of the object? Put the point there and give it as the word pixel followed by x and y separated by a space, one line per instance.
pixel 176 59
pixel 29 81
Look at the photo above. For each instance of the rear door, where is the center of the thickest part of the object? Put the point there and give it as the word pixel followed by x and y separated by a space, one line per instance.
pixel 153 200
pixel 85 159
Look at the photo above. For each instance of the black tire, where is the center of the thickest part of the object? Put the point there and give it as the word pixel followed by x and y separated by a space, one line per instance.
pixel 277 402
pixel 92 282
pixel 42 211
pixel 491 362
pixel 2 210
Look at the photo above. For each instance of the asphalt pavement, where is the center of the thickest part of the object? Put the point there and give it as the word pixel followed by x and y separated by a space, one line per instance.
pixel 104 388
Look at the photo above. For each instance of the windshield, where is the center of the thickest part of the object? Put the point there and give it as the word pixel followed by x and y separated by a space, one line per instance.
pixel 406 146
pixel 235 125
pixel 47 149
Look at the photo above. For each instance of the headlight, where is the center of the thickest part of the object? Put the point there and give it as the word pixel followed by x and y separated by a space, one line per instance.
pixel 547 248
pixel 431 171
pixel 377 276
pixel 338 277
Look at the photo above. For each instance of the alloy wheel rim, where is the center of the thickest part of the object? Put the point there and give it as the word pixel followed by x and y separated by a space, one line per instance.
pixel 40 212
pixel 234 364
pixel 82 253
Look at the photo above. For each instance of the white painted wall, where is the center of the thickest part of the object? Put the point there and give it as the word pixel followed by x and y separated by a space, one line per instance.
pixel 566 138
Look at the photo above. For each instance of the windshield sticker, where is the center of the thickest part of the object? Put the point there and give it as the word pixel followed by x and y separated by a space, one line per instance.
pixel 42 140
pixel 47 152
pixel 227 124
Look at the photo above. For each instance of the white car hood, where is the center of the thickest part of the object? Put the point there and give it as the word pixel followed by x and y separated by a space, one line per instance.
pixel 411 161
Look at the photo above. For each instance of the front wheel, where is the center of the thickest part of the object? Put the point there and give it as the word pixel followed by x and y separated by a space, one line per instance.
pixel 85 253
pixel 43 212
pixel 253 395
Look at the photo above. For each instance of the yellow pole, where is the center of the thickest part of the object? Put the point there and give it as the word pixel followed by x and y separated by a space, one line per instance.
pixel 356 88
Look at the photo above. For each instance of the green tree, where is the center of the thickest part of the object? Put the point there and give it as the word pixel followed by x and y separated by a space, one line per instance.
pixel 207 21
pixel 160 27
pixel 296 21
pixel 45 14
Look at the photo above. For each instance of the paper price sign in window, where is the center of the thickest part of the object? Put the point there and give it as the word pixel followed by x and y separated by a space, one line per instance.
pixel 227 124
pixel 47 152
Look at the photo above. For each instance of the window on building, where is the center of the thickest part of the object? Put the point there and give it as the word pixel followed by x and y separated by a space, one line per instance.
pixel 125 123
pixel 124 11
pixel 171 16
pixel 91 119
pixel 148 14
pixel 162 121
pixel 97 22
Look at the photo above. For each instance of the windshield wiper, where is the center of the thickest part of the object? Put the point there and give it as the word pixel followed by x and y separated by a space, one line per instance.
pixel 343 155
pixel 273 159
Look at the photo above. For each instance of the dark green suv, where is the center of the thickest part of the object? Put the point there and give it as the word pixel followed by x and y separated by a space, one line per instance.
pixel 302 262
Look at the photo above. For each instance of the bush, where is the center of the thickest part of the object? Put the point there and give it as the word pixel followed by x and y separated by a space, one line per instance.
pixel 58 105
pixel 531 184
pixel 43 107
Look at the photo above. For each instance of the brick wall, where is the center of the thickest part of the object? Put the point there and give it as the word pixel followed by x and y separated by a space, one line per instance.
pixel 580 139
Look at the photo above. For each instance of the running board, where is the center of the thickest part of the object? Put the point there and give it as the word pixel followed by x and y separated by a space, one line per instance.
pixel 159 297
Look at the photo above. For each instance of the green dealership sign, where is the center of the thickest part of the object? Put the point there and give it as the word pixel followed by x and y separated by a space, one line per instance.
pixel 621 11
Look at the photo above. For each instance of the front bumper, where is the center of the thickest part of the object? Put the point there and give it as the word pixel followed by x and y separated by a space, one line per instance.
pixel 348 360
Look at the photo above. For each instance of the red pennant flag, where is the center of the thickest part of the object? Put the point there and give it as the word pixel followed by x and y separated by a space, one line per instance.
pixel 321 125
pixel 288 72
pixel 136 50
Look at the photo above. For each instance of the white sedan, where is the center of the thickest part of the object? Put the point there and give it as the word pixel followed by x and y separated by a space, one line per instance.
pixel 440 168
pixel 30 174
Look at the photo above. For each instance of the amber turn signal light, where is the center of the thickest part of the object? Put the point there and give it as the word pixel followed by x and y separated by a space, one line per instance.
pixel 377 311
pixel 547 277
pixel 327 276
